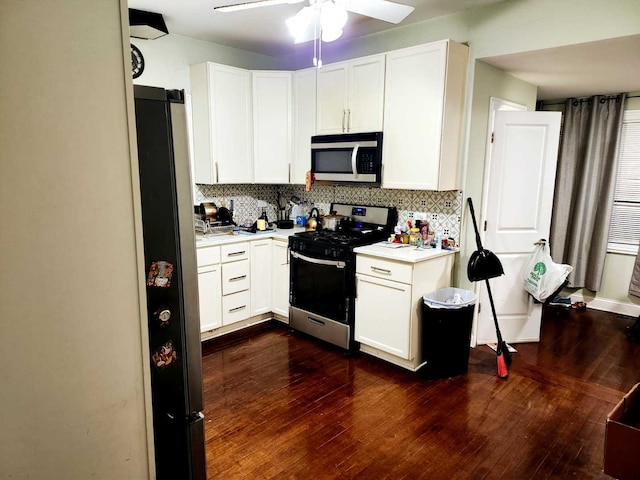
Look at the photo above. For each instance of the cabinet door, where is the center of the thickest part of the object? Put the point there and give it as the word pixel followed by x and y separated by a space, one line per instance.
pixel 332 98
pixel 236 307
pixel 271 126
pixel 414 97
pixel 210 295
pixel 260 276
pixel 232 139
pixel 304 126
pixel 280 278
pixel 200 102
pixel 366 94
pixel 235 277
pixel 383 315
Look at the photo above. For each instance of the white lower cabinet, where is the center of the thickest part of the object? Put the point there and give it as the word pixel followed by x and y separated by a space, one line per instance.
pixel 236 281
pixel 280 278
pixel 210 292
pixel 260 276
pixel 236 307
pixel 209 287
pixel 383 314
pixel 389 304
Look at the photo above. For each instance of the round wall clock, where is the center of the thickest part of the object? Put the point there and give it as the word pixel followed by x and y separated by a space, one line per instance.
pixel 137 61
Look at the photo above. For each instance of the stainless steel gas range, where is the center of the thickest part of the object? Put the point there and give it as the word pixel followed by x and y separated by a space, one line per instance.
pixel 322 280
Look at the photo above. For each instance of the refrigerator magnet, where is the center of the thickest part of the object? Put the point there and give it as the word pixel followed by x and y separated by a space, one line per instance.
pixel 160 274
pixel 164 356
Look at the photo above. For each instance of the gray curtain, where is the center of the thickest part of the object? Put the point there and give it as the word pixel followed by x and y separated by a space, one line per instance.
pixel 585 184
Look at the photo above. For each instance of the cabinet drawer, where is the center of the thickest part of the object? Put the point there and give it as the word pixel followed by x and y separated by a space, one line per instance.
pixel 235 251
pixel 236 307
pixel 208 255
pixel 377 267
pixel 235 277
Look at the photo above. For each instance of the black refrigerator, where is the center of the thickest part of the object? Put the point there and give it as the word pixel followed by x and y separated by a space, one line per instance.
pixel 171 283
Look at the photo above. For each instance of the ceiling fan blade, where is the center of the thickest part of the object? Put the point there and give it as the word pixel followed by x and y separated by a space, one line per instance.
pixel 247 5
pixel 302 25
pixel 381 9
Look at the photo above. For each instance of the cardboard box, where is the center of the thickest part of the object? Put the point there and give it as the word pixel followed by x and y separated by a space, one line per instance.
pixel 622 438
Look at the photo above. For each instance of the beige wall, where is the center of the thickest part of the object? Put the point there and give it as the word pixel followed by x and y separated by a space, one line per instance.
pixel 72 383
pixel 507 27
pixel 487 82
pixel 167 59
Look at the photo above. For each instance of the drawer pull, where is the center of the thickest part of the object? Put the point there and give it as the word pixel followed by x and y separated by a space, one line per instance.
pixel 237 309
pixel 381 270
pixel 235 254
pixel 235 279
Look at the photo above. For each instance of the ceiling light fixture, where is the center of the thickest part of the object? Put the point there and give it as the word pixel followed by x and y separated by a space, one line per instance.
pixel 327 19
pixel 146 25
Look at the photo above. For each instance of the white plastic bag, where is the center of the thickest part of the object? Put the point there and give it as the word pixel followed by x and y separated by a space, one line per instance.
pixel 542 276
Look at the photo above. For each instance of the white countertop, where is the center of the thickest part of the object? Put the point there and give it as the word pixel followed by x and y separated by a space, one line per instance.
pixel 278 234
pixel 409 254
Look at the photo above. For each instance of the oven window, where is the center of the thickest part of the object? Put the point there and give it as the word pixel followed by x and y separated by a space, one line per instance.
pixel 320 289
pixel 332 161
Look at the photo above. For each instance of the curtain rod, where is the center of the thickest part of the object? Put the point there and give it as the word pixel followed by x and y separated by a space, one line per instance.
pixel 541 102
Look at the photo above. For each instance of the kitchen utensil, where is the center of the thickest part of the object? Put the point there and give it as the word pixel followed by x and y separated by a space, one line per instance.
pixel 224 215
pixel 313 222
pixel 332 222
pixel 209 211
pixel 483 264
pixel 282 202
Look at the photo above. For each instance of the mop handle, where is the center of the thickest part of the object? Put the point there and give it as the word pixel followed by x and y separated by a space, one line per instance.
pixel 493 311
pixel 475 225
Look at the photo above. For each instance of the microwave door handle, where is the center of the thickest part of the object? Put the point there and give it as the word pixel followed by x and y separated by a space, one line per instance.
pixel 354 157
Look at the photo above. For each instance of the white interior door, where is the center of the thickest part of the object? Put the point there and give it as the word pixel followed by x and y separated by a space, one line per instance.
pixel 519 200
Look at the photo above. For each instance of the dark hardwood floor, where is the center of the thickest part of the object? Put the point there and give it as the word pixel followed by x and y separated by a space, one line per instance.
pixel 282 405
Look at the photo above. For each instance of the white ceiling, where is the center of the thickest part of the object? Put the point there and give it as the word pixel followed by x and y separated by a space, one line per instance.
pixel 585 69
pixel 263 30
pixel 610 66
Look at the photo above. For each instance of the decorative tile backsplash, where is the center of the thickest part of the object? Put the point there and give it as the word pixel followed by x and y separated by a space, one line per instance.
pixel 443 209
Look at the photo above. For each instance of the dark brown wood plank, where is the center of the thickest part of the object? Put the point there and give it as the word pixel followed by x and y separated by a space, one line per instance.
pixel 283 405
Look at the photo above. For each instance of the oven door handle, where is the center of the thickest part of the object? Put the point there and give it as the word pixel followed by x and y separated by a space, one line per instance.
pixel 319 261
pixel 354 157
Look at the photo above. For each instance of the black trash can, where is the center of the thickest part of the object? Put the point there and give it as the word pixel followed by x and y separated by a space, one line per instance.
pixel 447 316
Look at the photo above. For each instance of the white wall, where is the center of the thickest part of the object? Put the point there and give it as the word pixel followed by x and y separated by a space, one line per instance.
pixel 72 383
pixel 167 59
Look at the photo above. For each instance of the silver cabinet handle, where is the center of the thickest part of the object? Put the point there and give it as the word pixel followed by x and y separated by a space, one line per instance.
pixel 235 279
pixel 344 114
pixel 217 174
pixel 235 254
pixel 348 120
pixel 289 173
pixel 237 309
pixel 381 270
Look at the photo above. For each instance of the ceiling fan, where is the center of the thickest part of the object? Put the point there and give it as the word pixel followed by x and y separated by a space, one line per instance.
pixel 325 18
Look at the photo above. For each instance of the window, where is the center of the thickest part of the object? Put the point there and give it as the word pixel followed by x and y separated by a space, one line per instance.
pixel 624 233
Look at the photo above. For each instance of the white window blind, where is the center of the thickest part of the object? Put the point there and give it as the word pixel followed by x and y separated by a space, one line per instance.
pixel 624 233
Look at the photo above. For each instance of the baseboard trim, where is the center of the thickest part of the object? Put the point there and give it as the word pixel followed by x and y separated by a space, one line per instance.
pixel 608 305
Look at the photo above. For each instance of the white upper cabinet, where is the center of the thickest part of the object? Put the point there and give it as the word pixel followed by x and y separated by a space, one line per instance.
pixel 304 122
pixel 222 123
pixel 351 96
pixel 423 109
pixel 271 126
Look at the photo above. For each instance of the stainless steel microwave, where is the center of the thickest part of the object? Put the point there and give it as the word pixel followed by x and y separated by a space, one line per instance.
pixel 350 157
